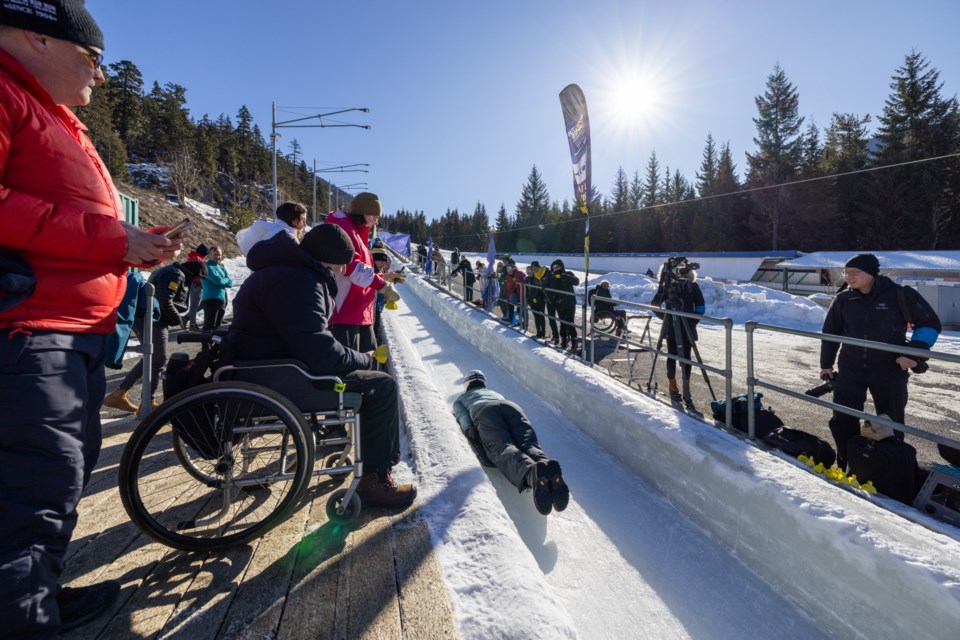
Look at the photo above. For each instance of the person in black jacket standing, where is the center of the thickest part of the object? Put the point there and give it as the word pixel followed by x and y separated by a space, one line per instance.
pixel 283 309
pixel 565 303
pixel 680 291
pixel 872 307
pixel 468 277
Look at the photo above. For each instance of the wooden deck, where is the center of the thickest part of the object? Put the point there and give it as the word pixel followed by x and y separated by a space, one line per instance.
pixel 307 578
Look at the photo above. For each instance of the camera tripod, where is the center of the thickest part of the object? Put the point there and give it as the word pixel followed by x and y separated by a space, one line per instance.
pixel 681 336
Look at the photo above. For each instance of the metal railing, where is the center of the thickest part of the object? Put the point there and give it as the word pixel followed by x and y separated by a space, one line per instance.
pixel 753 382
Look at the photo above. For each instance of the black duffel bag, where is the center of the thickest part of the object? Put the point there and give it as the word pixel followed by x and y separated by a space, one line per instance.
pixel 795 443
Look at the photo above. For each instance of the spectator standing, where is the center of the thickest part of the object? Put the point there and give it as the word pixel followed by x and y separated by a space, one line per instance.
pixel 872 307
pixel 357 286
pixel 282 310
pixel 513 278
pixel 439 266
pixel 455 256
pixel 422 256
pixel 536 299
pixel 565 302
pixel 501 435
pixel 689 300
pixel 62 220
pixel 468 277
pixel 215 286
pixel 196 290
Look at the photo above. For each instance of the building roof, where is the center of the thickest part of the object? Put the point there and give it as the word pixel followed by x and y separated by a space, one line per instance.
pixel 889 260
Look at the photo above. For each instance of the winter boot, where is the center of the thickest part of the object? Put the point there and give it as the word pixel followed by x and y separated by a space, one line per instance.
pixel 117 399
pixel 194 326
pixel 538 479
pixel 687 398
pixel 559 492
pixel 675 396
pixel 378 491
pixel 80 605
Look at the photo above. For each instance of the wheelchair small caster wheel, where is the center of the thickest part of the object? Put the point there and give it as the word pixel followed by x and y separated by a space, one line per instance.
pixel 350 510
pixel 333 460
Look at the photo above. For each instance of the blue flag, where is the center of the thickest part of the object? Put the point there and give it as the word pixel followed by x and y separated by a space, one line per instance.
pixel 491 257
pixel 429 255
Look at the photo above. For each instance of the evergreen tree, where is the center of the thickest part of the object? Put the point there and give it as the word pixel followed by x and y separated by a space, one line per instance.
pixel 779 152
pixel 845 150
pixel 918 123
pixel 126 101
pixel 97 116
pixel 531 212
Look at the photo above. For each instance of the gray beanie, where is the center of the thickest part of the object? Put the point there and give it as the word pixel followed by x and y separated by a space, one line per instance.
pixel 64 19
pixel 328 243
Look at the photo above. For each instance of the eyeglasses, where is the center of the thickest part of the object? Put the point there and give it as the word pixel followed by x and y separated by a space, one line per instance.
pixel 94 59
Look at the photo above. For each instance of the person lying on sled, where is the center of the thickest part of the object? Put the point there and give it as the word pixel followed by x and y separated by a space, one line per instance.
pixel 501 435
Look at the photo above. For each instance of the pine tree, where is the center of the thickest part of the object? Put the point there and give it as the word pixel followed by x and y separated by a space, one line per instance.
pixel 845 150
pixel 126 100
pixel 97 116
pixel 779 151
pixel 918 123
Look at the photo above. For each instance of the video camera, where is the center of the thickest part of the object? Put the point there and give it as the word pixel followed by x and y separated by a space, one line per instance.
pixel 679 266
pixel 823 388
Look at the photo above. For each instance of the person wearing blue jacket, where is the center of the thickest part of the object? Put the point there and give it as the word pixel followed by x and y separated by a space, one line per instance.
pixel 873 307
pixel 501 435
pixel 215 285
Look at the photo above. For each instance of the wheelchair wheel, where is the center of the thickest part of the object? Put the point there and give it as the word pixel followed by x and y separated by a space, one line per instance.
pixel 350 511
pixel 333 460
pixel 604 321
pixel 203 471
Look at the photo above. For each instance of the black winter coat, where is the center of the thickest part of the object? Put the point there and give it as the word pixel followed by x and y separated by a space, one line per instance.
pixel 691 301
pixel 601 305
pixel 876 316
pixel 170 291
pixel 561 280
pixel 467 270
pixel 283 308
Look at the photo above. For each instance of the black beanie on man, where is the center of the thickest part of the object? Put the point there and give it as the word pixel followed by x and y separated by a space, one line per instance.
pixel 328 243
pixel 64 19
pixel 866 262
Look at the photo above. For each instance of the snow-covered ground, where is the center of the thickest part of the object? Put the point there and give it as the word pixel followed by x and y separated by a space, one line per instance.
pixel 682 531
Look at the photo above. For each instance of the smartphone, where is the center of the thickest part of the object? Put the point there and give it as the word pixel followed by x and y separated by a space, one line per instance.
pixel 402 267
pixel 183 225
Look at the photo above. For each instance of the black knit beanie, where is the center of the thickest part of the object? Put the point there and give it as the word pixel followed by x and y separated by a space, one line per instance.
pixel 64 19
pixel 866 262
pixel 202 250
pixel 328 243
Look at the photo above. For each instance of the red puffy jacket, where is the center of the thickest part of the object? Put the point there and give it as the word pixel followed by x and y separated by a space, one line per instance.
pixel 59 210
pixel 355 293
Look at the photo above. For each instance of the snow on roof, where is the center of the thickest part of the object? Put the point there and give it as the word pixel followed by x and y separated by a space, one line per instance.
pixel 900 260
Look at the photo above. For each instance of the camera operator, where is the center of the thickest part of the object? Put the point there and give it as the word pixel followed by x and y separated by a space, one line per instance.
pixel 679 291
pixel 872 307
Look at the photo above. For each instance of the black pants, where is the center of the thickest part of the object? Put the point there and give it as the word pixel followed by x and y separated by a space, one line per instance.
pixel 567 313
pixel 158 357
pixel 213 310
pixel 684 350
pixel 509 440
pixel 468 289
pixel 379 419
pixel 552 313
pixel 888 388
pixel 358 337
pixel 51 387
pixel 539 320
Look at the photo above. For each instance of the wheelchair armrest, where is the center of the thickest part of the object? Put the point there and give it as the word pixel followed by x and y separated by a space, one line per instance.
pixel 292 363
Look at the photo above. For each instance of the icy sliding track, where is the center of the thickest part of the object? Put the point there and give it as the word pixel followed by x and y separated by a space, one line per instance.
pixel 620 562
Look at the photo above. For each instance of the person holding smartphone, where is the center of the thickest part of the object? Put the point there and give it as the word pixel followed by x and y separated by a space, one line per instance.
pixel 61 215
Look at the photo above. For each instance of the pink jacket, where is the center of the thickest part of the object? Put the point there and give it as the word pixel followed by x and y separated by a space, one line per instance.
pixel 357 287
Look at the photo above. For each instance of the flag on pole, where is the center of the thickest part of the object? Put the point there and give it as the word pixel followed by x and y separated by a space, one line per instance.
pixel 574 106
pixel 491 256
pixel 491 287
pixel 429 255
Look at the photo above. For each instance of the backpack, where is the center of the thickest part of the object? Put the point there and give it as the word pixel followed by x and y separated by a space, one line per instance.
pixel 764 420
pixel 795 442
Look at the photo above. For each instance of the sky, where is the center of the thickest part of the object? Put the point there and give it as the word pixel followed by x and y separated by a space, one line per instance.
pixel 463 98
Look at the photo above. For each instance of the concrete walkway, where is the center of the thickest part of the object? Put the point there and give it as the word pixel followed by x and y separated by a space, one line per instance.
pixel 307 578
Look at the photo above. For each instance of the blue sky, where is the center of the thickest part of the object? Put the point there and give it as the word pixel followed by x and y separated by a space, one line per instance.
pixel 463 98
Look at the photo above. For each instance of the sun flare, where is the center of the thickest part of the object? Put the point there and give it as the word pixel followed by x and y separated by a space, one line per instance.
pixel 635 101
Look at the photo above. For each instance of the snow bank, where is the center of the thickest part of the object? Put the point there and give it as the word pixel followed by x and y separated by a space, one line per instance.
pixel 855 567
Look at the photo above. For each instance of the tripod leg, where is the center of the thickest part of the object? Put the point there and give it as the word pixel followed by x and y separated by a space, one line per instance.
pixel 696 352
pixel 660 339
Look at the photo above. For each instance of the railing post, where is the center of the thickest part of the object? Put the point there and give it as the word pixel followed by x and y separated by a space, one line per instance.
pixel 728 331
pixel 751 418
pixel 146 393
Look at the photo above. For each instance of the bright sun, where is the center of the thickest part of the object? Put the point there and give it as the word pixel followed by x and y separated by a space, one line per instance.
pixel 635 101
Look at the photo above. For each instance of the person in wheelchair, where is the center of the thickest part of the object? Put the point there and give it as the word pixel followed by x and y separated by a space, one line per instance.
pixel 501 436
pixel 608 309
pixel 282 310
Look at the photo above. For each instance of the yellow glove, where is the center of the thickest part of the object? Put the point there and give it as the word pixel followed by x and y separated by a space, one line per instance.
pixel 380 354
pixel 868 487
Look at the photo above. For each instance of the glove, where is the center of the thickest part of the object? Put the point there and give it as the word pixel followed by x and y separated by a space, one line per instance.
pixel 391 305
pixel 380 354
pixel 389 293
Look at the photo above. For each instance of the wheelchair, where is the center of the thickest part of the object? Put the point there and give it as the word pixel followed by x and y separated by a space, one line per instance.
pixel 607 321
pixel 222 462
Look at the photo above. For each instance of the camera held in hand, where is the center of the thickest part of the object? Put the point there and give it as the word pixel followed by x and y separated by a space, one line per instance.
pixel 824 388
